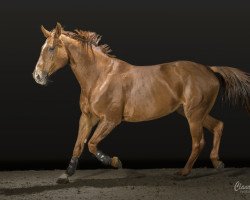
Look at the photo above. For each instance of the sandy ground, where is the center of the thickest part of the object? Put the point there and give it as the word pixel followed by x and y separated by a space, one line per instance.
pixel 148 184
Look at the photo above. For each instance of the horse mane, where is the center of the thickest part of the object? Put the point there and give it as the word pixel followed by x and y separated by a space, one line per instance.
pixel 88 37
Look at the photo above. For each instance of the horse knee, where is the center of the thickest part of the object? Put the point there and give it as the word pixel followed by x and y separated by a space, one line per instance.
pixel 92 147
pixel 202 144
pixel 196 147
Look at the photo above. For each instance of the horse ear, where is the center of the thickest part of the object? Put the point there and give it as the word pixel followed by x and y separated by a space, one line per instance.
pixel 46 33
pixel 58 29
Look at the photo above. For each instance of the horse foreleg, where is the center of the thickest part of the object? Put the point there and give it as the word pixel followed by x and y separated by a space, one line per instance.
pixel 85 125
pixel 102 130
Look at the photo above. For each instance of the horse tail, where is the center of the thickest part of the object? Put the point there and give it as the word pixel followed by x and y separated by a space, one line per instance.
pixel 236 84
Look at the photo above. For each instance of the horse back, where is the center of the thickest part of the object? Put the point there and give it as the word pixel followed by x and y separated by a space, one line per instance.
pixel 155 91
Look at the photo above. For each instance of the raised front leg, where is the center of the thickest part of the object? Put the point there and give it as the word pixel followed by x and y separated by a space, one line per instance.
pixel 103 129
pixel 85 125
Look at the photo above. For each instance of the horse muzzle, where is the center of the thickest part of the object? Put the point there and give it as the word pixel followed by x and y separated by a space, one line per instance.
pixel 41 77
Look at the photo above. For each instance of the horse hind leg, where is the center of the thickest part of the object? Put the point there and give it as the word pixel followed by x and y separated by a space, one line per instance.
pixel 202 141
pixel 196 133
pixel 216 127
pixel 195 119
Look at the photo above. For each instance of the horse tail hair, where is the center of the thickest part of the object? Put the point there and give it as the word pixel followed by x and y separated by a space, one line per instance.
pixel 236 85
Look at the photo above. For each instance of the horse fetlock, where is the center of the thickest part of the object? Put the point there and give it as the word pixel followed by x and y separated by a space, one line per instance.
pixel 214 156
pixel 72 166
pixel 218 164
pixel 105 159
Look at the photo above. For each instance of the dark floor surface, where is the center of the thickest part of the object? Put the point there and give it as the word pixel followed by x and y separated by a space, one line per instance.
pixel 147 184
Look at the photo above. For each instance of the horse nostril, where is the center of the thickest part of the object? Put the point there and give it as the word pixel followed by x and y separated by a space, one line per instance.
pixel 38 77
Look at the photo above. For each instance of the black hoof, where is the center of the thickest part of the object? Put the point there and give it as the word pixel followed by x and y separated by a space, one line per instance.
pixel 63 179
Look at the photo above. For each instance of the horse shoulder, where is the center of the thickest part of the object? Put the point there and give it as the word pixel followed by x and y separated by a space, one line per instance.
pixel 106 98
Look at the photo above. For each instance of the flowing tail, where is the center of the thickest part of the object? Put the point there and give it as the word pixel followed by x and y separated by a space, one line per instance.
pixel 236 84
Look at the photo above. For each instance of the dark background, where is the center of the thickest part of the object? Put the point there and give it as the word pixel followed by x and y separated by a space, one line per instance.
pixel 38 125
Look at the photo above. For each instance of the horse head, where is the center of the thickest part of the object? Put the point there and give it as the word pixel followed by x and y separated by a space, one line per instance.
pixel 53 55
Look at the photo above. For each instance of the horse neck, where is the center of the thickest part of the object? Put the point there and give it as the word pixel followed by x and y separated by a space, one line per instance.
pixel 88 64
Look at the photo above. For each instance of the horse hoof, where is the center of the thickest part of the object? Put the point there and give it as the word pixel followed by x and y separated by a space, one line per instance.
pixel 63 179
pixel 182 172
pixel 116 163
pixel 220 165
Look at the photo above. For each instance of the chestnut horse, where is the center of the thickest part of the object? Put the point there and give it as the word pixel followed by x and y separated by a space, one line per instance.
pixel 113 91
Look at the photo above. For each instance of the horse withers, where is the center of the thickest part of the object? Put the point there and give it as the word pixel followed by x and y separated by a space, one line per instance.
pixel 113 91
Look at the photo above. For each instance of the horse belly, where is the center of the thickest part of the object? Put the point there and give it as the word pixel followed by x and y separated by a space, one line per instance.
pixel 149 104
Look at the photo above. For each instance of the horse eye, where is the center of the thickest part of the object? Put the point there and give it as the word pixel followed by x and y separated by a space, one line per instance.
pixel 51 48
